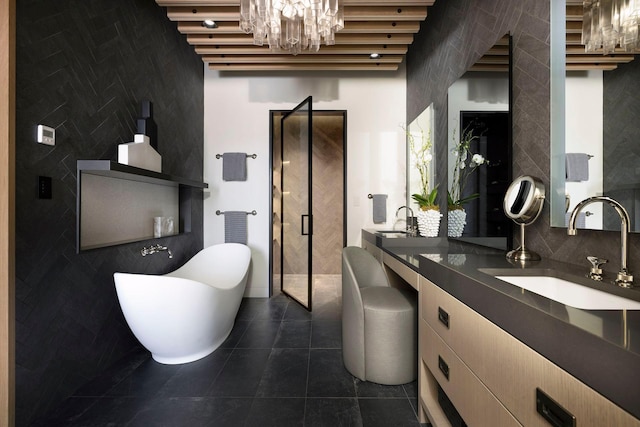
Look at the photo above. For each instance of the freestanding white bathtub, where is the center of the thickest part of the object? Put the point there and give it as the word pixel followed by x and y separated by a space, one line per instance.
pixel 185 315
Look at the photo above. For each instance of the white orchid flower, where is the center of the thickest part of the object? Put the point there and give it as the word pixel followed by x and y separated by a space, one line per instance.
pixel 477 159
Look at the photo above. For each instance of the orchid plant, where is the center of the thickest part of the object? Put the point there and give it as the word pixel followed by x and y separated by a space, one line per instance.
pixel 422 156
pixel 465 164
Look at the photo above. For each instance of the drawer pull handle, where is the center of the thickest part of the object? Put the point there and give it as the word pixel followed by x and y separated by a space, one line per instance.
pixel 444 368
pixel 552 412
pixel 443 317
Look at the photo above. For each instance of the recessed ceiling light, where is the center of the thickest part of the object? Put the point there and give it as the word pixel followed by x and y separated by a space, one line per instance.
pixel 209 23
pixel 375 56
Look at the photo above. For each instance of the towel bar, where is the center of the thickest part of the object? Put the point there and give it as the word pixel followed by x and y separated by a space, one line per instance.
pixel 253 156
pixel 219 212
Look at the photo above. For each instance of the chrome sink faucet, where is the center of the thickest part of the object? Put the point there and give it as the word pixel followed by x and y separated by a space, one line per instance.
pixel 410 228
pixel 624 277
pixel 155 248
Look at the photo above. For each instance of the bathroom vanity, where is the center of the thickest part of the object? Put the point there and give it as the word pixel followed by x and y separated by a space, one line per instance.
pixel 491 353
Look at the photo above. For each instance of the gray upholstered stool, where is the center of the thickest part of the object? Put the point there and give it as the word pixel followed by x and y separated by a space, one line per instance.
pixel 379 322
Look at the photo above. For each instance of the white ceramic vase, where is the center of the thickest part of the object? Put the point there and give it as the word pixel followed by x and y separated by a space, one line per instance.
pixel 429 222
pixel 457 219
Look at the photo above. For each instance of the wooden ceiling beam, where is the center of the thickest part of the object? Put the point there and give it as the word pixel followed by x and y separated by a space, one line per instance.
pixel 585 67
pixel 304 67
pixel 324 50
pixel 362 27
pixel 345 3
pixel 354 13
pixel 300 59
pixel 247 39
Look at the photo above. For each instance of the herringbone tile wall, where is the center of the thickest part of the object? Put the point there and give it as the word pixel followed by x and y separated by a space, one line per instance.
pixel 328 193
pixel 83 67
pixel 454 36
pixel 621 108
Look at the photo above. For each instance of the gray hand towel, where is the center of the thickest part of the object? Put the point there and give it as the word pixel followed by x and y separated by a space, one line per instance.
pixel 577 167
pixel 235 227
pixel 234 166
pixel 580 221
pixel 379 208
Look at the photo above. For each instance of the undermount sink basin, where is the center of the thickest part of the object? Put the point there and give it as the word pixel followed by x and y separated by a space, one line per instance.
pixel 392 233
pixel 571 294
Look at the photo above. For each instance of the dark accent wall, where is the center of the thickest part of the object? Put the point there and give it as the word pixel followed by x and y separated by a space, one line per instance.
pixel 453 37
pixel 83 67
pixel 621 110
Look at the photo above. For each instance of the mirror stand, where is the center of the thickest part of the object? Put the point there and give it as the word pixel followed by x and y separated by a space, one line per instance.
pixel 523 203
pixel 522 254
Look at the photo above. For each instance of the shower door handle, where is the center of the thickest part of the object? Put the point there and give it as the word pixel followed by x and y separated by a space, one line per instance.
pixel 309 226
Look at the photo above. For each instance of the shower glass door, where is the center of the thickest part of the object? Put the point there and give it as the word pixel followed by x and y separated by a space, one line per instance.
pixel 297 222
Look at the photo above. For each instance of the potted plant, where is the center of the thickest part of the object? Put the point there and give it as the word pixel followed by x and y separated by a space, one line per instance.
pixel 465 163
pixel 428 215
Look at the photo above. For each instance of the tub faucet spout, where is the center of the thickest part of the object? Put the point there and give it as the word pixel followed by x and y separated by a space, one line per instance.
pixel 155 248
pixel 624 277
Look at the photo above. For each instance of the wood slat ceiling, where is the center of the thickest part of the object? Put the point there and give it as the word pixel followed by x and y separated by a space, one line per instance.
pixel 386 27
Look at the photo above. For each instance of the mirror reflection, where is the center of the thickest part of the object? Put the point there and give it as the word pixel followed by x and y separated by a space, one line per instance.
pixel 479 161
pixel 601 157
pixel 420 158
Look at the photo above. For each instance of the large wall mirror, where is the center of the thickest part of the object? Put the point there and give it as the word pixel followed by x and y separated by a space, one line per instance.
pixel 597 152
pixel 479 160
pixel 421 162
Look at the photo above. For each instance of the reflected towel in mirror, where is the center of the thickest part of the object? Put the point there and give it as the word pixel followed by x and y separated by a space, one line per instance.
pixel 577 167
pixel 580 222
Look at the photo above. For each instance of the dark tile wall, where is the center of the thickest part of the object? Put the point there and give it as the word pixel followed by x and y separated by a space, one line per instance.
pixel 452 38
pixel 83 67
pixel 621 109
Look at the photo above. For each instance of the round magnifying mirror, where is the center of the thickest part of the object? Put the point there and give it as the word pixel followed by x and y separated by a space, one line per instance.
pixel 523 203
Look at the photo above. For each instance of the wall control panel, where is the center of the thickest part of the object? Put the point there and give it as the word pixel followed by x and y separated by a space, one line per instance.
pixel 46 135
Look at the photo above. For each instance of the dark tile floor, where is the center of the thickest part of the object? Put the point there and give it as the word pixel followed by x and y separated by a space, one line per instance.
pixel 281 366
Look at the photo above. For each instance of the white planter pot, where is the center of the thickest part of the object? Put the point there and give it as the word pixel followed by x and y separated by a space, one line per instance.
pixel 429 223
pixel 457 219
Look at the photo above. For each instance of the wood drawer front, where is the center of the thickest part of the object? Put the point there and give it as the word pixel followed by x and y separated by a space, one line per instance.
pixel 451 319
pixel 406 273
pixel 511 369
pixel 475 403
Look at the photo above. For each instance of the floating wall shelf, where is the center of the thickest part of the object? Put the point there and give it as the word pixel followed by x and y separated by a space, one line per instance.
pixel 116 203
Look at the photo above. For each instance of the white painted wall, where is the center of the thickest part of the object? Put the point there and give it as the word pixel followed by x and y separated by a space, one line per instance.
pixel 237 118
pixel 583 134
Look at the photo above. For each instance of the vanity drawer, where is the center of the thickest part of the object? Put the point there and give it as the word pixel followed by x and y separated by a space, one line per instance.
pixel 475 403
pixel 510 369
pixel 447 316
pixel 513 372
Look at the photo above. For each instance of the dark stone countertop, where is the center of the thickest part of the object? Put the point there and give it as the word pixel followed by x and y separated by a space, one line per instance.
pixel 599 347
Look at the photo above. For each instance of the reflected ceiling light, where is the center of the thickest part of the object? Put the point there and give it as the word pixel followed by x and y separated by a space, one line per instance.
pixel 292 25
pixel 209 23
pixel 375 56
pixel 610 23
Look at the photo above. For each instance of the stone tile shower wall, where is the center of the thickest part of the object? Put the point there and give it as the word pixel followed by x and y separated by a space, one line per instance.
pixel 83 67
pixel 454 36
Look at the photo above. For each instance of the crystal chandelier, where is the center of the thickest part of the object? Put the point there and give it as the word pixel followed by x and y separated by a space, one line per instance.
pixel 610 23
pixel 292 25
